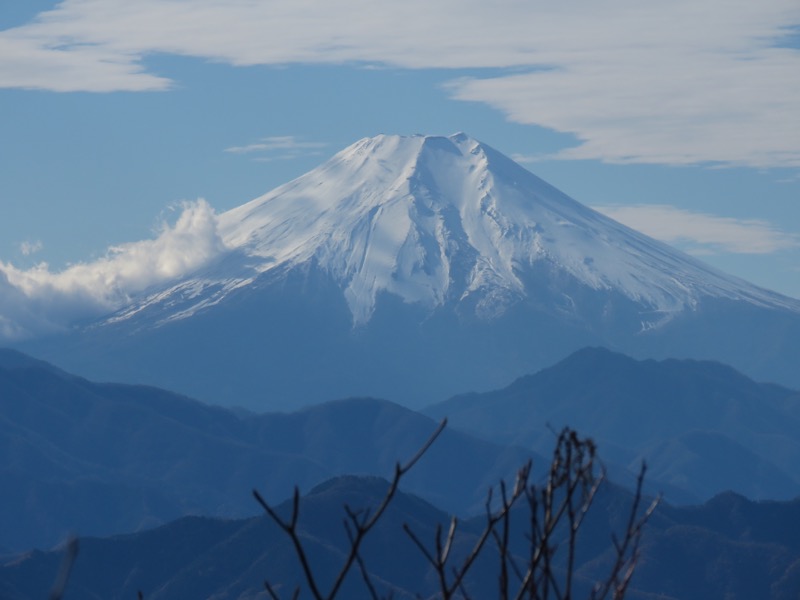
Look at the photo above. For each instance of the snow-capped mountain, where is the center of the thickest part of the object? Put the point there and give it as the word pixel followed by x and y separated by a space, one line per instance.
pixel 416 267
pixel 436 220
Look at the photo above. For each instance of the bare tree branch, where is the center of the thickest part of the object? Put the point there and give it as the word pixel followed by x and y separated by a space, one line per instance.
pixel 439 559
pixel 362 523
pixel 557 509
pixel 627 551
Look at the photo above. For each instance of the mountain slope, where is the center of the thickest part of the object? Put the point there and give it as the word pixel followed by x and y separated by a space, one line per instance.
pixel 104 458
pixel 435 220
pixel 413 268
pixel 701 426
pixel 729 548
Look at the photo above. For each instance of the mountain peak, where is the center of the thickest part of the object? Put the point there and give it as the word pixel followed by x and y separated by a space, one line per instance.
pixel 416 267
pixel 436 219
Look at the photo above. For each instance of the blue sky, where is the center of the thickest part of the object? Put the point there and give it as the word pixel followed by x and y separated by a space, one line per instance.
pixel 681 119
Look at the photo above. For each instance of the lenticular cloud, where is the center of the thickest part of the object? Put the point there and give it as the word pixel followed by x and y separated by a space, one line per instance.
pixel 37 300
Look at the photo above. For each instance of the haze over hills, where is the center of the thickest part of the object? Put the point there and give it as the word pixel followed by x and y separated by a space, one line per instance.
pixel 77 456
pixel 414 268
pixel 109 458
pixel 701 426
pixel 99 458
pixel 730 548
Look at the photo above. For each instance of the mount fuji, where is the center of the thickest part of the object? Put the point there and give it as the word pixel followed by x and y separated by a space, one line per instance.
pixel 414 268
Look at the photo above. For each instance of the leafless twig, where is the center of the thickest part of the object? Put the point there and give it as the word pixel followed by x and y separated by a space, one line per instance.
pixel 358 524
pixel 557 510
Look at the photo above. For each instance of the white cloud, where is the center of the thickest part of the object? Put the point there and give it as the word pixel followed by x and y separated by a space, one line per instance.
pixel 38 300
pixel 27 247
pixel 717 108
pixel 525 159
pixel 34 59
pixel 701 233
pixel 284 147
pixel 686 81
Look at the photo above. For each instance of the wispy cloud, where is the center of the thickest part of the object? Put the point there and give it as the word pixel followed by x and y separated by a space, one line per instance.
pixel 701 233
pixel 791 179
pixel 284 147
pixel 672 82
pixel 38 300
pixel 525 159
pixel 27 247
pixel 39 57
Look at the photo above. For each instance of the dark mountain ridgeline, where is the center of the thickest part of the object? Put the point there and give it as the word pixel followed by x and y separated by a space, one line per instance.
pixel 701 426
pixel 108 458
pixel 411 269
pixel 104 458
pixel 729 548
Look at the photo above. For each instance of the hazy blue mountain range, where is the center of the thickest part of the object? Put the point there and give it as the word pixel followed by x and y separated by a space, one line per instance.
pixel 729 548
pixel 108 458
pixel 105 458
pixel 415 268
pixel 701 426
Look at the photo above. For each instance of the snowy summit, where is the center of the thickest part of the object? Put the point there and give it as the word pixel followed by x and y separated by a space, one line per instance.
pixel 436 220
pixel 413 268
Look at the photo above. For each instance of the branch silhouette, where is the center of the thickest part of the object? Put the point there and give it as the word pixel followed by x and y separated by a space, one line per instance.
pixel 556 510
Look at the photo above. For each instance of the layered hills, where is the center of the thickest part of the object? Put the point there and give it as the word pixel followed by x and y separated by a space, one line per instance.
pixel 77 456
pixel 729 548
pixel 414 269
pixel 701 426
pixel 97 459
